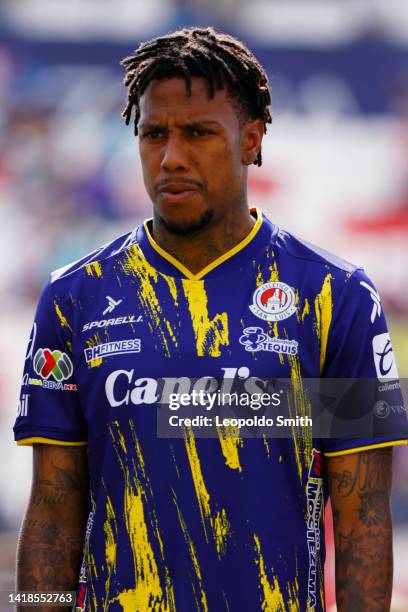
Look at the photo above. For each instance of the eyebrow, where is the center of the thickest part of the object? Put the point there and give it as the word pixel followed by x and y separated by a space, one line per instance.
pixel 193 124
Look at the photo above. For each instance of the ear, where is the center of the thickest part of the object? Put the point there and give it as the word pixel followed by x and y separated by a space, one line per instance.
pixel 252 134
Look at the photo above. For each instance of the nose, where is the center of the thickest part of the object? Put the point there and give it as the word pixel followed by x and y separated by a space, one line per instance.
pixel 175 154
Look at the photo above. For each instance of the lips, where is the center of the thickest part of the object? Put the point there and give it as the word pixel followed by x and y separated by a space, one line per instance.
pixel 176 192
pixel 177 196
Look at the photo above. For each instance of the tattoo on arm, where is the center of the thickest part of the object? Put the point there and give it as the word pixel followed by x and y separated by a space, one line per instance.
pixel 360 486
pixel 51 539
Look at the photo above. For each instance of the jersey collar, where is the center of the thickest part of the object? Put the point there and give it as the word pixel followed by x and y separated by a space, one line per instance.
pixel 239 255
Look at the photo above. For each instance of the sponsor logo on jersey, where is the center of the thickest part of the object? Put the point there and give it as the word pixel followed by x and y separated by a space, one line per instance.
pixel 376 311
pixel 384 359
pixel 31 342
pixel 111 305
pixel 119 347
pixel 382 409
pixel 255 339
pixel 50 384
pixel 53 363
pixel 107 322
pixel 82 590
pixel 394 386
pixel 314 492
pixel 22 409
pixel 124 387
pixel 273 301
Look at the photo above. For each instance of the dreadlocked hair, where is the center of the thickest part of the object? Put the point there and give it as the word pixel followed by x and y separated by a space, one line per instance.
pixel 222 60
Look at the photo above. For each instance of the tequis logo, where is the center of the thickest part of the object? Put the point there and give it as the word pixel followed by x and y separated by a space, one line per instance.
pixel 52 363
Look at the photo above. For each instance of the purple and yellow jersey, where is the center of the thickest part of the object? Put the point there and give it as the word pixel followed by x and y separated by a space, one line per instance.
pixel 227 523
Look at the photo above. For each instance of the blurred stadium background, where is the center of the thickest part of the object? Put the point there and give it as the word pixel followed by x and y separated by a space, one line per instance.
pixel 335 163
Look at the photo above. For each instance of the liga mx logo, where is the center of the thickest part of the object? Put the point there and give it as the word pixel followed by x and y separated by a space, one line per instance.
pixel 52 363
pixel 273 301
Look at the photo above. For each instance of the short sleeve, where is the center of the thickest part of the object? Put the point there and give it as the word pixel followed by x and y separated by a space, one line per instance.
pixel 49 409
pixel 359 347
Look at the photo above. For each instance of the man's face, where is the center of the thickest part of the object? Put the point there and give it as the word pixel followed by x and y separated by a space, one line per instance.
pixel 194 153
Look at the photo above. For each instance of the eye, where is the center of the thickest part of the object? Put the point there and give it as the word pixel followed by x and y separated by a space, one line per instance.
pixel 200 132
pixel 153 134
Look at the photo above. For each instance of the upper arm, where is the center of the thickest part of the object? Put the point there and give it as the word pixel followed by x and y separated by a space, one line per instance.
pixel 360 486
pixel 60 480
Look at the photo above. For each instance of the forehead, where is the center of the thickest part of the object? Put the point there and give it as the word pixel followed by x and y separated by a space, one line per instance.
pixel 166 101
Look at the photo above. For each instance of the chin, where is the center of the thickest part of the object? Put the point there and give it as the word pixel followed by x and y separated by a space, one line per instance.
pixel 181 225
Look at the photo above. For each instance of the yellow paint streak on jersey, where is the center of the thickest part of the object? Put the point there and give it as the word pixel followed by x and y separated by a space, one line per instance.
pixel 210 334
pixel 293 596
pixel 94 341
pixel 272 596
pixel 69 346
pixel 230 440
pixel 302 438
pixel 92 565
pixel 135 263
pixel 323 309
pixel 174 459
pixel 274 274
pixel 306 310
pixel 62 319
pixel 110 530
pixel 172 287
pixel 273 329
pixel 221 527
pixel 121 437
pixel 259 278
pixel 198 479
pixel 219 524
pixel 266 446
pixel 148 593
pixel 193 555
pixel 94 268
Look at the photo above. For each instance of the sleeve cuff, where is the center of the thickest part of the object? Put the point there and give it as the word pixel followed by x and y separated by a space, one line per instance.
pixel 40 440
pixel 359 449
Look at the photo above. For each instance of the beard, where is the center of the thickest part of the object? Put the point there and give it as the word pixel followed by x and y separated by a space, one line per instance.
pixel 187 228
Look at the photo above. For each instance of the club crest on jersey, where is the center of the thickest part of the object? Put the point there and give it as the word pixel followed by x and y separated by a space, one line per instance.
pixel 273 301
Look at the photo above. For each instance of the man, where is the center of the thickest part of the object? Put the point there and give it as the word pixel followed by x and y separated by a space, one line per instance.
pixel 201 290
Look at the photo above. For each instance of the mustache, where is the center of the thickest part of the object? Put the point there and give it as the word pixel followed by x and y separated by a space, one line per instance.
pixel 163 183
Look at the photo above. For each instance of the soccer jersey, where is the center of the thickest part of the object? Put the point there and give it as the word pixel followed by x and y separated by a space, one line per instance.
pixel 184 523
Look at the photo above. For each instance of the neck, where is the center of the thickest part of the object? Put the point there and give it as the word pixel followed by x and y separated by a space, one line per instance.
pixel 199 250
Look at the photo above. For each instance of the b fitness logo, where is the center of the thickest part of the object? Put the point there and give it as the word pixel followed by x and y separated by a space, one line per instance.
pixel 52 363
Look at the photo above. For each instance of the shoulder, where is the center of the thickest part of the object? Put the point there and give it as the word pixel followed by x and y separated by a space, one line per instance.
pixel 91 263
pixel 317 270
pixel 303 252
